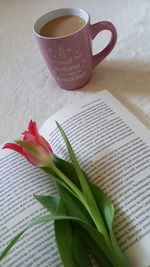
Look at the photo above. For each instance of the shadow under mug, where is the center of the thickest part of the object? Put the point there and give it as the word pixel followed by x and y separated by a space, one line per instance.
pixel 69 58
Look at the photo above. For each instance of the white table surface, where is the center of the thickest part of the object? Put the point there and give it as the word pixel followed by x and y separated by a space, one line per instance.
pixel 27 90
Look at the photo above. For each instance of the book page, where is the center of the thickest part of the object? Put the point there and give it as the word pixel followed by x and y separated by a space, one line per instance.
pixel 113 147
pixel 19 180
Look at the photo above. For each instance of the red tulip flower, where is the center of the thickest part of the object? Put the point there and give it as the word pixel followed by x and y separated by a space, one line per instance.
pixel 33 147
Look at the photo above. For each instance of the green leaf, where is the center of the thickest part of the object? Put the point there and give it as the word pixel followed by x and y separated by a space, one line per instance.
pixel 122 258
pixel 56 178
pixel 101 243
pixel 80 251
pixel 49 202
pixel 73 206
pixel 96 252
pixel 11 244
pixel 97 237
pixel 64 239
pixel 84 184
pixel 40 220
pixel 74 160
pixel 75 209
pixel 89 202
pixel 107 210
pixel 105 206
pixel 103 202
pixel 63 234
pixel 68 169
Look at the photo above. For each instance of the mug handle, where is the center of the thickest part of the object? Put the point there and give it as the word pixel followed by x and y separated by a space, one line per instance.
pixel 95 29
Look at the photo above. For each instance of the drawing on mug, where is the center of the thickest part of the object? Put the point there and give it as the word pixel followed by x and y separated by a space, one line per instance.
pixel 67 64
pixel 61 52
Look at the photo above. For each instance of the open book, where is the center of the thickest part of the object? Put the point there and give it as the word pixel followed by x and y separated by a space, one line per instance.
pixel 113 147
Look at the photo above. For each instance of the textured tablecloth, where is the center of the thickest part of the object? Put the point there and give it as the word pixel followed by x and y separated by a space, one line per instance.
pixel 27 90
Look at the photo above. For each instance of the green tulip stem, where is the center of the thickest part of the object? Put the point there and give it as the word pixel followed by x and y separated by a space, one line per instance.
pixel 80 196
pixel 67 181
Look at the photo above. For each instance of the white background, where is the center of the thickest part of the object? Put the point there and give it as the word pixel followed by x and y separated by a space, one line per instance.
pixel 27 90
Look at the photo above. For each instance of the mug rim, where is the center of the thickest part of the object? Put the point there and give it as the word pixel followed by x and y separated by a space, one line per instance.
pixel 59 10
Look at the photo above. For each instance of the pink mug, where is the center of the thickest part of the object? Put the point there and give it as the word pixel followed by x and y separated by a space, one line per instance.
pixel 69 58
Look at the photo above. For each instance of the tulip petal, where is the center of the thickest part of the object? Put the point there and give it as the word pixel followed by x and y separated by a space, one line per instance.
pixel 14 147
pixel 33 147
pixel 35 154
pixel 33 150
pixel 33 128
pixel 31 160
pixel 28 137
pixel 45 144
pixel 34 137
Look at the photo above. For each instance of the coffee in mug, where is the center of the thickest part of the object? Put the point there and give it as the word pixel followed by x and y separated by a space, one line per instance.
pixel 62 26
pixel 65 39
